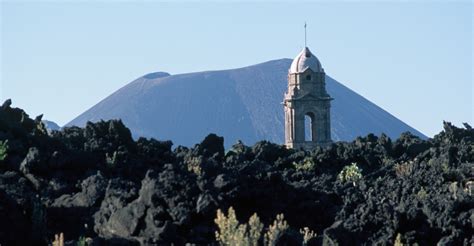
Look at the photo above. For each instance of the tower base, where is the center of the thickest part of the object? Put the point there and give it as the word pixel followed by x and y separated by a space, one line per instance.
pixel 308 145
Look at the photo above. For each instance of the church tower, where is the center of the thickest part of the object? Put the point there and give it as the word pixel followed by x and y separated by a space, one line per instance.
pixel 307 104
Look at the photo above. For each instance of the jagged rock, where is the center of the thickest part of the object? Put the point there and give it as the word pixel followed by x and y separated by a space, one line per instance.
pixel 155 150
pixel 93 189
pixel 222 182
pixel 7 104
pixel 32 162
pixel 205 203
pixel 164 234
pixel 240 148
pixel 467 126
pixel 107 136
pixel 146 217
pixel 179 196
pixel 58 160
pixel 268 152
pixel 336 235
pixel 118 195
pixel 124 222
pixel 211 145
pixel 289 237
pixel 38 118
pixel 33 165
pixel 22 212
pixel 73 213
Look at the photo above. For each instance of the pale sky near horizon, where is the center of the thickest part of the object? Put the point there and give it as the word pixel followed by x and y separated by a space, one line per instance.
pixel 413 59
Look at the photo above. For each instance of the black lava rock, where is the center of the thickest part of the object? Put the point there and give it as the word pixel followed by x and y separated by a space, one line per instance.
pixel 98 182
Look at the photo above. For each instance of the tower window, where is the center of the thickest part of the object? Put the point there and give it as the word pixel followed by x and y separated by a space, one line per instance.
pixel 308 127
pixel 308 77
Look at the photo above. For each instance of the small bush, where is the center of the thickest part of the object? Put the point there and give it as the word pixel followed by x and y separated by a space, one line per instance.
pixel 469 187
pixel 116 159
pixel 194 164
pixel 453 188
pixel 232 233
pixel 398 240
pixel 351 173
pixel 82 241
pixel 58 239
pixel 3 149
pixel 111 160
pixel 422 194
pixel 307 164
pixel 404 169
pixel 275 231
pixel 307 235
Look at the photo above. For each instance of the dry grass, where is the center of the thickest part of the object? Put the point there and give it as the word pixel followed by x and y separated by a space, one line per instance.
pixel 58 239
pixel 404 169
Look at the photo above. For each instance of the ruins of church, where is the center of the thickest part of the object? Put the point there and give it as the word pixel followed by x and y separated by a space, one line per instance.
pixel 307 104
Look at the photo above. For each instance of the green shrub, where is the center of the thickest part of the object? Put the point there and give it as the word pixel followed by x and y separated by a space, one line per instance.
pixel 82 241
pixel 3 149
pixel 307 164
pixel 351 173
pixel 422 194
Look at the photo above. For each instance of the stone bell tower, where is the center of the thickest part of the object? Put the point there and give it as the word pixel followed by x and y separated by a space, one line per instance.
pixel 307 101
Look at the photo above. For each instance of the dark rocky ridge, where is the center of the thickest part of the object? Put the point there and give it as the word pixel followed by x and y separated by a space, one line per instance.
pixel 238 104
pixel 98 182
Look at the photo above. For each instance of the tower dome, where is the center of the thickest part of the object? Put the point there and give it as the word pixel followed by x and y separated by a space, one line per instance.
pixel 305 60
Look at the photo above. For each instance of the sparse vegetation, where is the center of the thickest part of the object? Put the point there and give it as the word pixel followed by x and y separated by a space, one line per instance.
pixel 82 241
pixel 276 230
pixel 398 240
pixel 111 160
pixel 306 165
pixel 453 188
pixel 307 235
pixel 404 169
pixel 232 233
pixel 468 187
pixel 351 173
pixel 421 194
pixel 194 164
pixel 3 149
pixel 58 239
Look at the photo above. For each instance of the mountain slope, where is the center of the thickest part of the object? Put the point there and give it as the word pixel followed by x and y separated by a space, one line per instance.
pixel 51 125
pixel 243 103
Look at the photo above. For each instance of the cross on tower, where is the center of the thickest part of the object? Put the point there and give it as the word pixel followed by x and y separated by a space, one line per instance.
pixel 305 34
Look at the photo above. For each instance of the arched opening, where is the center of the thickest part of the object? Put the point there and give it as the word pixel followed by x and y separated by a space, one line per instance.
pixel 308 126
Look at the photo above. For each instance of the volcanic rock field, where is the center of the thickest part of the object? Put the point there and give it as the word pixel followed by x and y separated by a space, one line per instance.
pixel 98 186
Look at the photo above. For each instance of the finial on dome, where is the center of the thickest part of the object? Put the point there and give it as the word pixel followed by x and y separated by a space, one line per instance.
pixel 305 35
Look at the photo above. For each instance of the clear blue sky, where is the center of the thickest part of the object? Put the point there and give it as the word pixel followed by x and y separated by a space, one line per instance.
pixel 413 59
